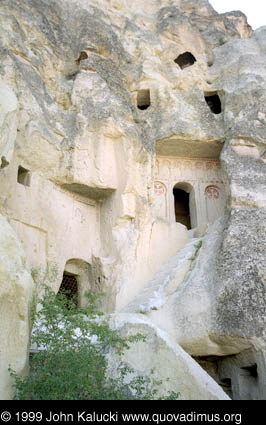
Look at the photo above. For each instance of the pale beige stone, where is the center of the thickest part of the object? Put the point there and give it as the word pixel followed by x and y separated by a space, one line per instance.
pixel 161 359
pixel 8 123
pixel 16 287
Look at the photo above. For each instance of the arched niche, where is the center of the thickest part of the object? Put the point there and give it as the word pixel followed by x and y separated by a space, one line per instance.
pixel 76 280
pixel 184 204
pixel 143 99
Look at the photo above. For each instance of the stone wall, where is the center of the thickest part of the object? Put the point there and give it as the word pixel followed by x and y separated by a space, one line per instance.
pixel 46 217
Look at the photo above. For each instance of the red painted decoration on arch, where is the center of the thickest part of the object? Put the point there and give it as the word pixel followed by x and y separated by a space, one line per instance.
pixel 212 192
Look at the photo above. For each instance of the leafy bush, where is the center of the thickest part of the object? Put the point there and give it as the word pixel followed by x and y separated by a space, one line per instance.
pixel 70 362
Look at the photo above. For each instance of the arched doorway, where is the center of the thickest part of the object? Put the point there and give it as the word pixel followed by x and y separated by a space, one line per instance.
pixel 184 202
pixel 76 281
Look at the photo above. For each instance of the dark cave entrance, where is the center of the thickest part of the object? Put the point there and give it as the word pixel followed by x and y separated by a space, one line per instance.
pixel 185 60
pixel 214 102
pixel 182 210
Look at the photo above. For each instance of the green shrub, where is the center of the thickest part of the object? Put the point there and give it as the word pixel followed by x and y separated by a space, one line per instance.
pixel 70 362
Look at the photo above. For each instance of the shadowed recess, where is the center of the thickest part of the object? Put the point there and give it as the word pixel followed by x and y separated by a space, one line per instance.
pixel 185 60
pixel 214 102
pixel 143 99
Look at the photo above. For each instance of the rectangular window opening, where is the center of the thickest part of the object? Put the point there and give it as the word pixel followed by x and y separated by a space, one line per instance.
pixel 23 176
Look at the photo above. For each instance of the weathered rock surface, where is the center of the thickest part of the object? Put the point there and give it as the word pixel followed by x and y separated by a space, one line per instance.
pixel 15 281
pixel 15 296
pixel 8 123
pixel 105 108
pixel 160 358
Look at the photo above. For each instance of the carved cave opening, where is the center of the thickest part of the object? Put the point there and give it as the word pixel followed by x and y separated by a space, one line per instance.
pixel 83 55
pixel 182 209
pixel 23 176
pixel 69 288
pixel 143 99
pixel 185 60
pixel 213 101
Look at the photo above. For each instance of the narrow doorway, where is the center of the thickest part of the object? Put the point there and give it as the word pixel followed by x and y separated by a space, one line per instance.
pixel 182 210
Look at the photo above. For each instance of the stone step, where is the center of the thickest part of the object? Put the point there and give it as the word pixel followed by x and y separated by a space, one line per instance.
pixel 166 281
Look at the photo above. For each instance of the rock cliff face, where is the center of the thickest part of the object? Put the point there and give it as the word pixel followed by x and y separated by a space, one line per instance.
pixel 133 158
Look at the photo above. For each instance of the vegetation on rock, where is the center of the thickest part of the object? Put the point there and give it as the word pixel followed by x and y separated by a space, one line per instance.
pixel 71 363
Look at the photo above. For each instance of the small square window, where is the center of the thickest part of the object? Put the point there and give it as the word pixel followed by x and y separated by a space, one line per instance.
pixel 185 59
pixel 23 176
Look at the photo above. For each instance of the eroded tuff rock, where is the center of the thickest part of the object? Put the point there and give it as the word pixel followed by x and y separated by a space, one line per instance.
pixel 8 123
pixel 123 125
pixel 15 297
pixel 16 284
pixel 174 367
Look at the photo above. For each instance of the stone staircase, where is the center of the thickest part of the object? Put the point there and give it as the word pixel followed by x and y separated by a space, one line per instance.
pixel 150 315
pixel 166 281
